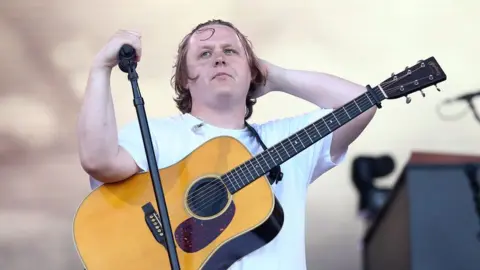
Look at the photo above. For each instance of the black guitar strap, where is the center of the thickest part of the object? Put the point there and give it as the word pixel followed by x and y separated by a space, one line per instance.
pixel 275 175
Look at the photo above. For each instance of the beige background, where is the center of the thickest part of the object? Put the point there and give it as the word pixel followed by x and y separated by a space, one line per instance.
pixel 47 47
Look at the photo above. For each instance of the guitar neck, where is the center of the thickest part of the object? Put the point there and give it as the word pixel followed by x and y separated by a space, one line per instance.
pixel 252 169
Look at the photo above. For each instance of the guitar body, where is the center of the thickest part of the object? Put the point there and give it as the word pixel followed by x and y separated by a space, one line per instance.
pixel 115 228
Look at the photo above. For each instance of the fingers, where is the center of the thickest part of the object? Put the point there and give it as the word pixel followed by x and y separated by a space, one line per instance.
pixel 132 38
pixel 135 33
pixel 122 32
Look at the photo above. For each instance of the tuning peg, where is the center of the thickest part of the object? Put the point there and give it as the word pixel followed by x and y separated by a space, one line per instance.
pixel 438 89
pixel 423 94
pixel 408 99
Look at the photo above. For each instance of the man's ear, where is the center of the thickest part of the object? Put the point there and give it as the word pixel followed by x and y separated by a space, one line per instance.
pixel 186 84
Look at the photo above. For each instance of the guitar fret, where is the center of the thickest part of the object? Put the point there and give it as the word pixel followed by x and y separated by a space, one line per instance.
pixel 309 137
pixel 340 116
pixel 306 136
pixel 315 126
pixel 268 152
pixel 243 176
pixel 249 164
pixel 284 148
pixel 243 172
pixel 370 99
pixel 251 175
pixel 235 181
pixel 266 162
pixel 326 124
pixel 300 140
pixel 274 150
pixel 354 101
pixel 293 146
pixel 333 113
pixel 278 153
pixel 296 144
pixel 313 134
pixel 330 121
pixel 347 113
pixel 256 159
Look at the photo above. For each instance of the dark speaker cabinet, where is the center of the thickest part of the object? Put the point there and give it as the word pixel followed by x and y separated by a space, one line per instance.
pixel 429 222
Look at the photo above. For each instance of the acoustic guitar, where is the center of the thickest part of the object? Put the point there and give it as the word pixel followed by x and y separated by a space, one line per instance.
pixel 220 203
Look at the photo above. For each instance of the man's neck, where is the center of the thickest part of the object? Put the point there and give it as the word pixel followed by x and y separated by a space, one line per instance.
pixel 228 118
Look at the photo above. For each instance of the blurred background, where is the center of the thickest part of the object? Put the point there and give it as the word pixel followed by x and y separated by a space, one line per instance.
pixel 47 47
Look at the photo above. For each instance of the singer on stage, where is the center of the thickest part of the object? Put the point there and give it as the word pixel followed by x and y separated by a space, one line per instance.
pixel 217 80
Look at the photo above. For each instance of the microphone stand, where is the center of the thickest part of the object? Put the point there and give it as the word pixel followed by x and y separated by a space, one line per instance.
pixel 474 110
pixel 127 63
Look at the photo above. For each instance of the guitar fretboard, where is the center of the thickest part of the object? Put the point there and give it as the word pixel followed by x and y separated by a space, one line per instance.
pixel 259 165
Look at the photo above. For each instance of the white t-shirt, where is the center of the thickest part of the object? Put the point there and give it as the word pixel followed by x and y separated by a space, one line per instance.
pixel 177 136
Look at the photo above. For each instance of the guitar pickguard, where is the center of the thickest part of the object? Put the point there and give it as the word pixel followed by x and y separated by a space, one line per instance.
pixel 194 234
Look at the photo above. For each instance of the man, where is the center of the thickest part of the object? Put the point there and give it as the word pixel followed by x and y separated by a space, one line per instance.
pixel 217 79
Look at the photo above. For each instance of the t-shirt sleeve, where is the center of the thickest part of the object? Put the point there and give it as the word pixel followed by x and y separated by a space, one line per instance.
pixel 318 157
pixel 130 139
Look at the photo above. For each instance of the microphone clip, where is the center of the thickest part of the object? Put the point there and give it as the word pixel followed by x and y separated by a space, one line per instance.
pixel 197 127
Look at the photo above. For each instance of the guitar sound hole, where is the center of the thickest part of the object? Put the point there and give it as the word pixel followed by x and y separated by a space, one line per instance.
pixel 207 197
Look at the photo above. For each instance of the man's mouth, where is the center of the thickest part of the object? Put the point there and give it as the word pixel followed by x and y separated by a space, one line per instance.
pixel 221 74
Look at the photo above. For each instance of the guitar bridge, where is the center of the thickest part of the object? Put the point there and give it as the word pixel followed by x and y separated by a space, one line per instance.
pixel 154 224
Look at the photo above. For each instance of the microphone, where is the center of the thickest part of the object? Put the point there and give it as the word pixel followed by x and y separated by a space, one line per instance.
pixel 466 97
pixel 127 58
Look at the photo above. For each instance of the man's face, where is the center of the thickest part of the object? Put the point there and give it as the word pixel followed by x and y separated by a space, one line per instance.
pixel 217 56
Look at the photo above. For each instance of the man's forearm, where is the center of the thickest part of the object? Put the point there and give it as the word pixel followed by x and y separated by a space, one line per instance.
pixel 321 89
pixel 97 130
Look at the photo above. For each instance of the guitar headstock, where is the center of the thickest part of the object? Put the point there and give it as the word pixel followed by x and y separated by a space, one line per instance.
pixel 415 78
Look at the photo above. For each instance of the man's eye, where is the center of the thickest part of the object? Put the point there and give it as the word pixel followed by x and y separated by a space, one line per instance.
pixel 230 51
pixel 205 54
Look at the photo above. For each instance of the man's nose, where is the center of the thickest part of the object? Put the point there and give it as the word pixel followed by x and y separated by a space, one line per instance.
pixel 220 61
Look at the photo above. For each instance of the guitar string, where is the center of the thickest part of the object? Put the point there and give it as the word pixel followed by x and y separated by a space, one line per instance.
pixel 290 147
pixel 206 196
pixel 230 175
pixel 207 201
pixel 241 169
pixel 228 179
pixel 209 198
pixel 287 148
